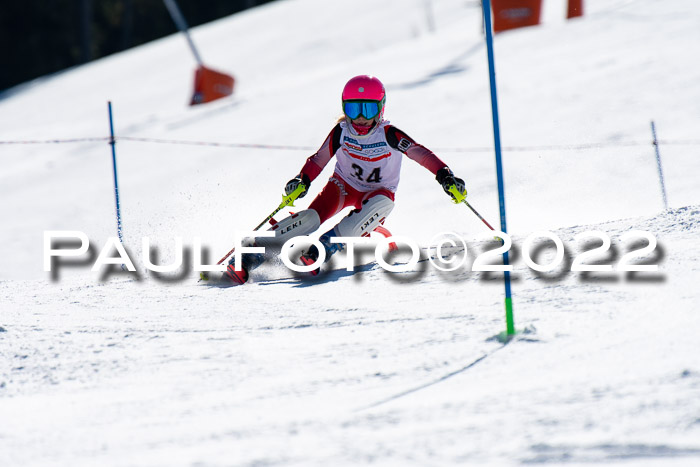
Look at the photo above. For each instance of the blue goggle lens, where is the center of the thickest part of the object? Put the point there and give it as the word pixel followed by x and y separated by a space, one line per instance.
pixel 368 109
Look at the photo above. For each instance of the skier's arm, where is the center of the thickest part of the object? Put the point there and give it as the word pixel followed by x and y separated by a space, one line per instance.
pixel 397 139
pixel 425 157
pixel 316 162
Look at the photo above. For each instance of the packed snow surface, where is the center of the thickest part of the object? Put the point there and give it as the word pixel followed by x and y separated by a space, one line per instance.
pixel 375 367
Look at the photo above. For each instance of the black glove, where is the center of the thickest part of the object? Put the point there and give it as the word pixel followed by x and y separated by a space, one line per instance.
pixel 446 178
pixel 294 183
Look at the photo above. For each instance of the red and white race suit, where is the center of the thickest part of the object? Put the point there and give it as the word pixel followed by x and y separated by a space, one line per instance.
pixel 365 166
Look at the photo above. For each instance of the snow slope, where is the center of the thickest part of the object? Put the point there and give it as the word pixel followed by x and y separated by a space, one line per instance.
pixel 392 369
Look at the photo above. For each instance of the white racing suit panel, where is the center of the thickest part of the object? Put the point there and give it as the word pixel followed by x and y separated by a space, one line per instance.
pixel 301 223
pixel 361 223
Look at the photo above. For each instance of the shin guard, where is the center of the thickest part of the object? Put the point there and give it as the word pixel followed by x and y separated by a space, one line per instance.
pixel 362 222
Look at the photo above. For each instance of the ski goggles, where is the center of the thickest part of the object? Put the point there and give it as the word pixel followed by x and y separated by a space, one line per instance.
pixel 368 109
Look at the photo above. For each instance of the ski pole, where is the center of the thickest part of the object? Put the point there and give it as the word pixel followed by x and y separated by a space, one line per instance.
pixel 287 200
pixel 461 198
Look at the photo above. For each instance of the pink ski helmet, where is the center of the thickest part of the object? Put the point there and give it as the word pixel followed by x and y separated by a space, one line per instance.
pixel 365 88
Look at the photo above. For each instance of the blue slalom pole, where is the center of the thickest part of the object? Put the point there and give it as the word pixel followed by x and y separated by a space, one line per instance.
pixel 114 167
pixel 486 7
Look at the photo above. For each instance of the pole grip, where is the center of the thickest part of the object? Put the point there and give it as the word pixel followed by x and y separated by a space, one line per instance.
pixel 288 200
pixel 457 196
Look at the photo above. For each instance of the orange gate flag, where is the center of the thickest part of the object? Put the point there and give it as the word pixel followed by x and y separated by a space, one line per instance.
pixel 574 9
pixel 210 85
pixel 511 14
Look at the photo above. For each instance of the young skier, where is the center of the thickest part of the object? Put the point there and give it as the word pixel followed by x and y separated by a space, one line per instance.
pixel 368 152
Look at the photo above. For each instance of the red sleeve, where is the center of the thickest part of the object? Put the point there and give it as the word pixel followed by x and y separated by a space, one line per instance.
pixel 419 153
pixel 316 162
pixel 425 157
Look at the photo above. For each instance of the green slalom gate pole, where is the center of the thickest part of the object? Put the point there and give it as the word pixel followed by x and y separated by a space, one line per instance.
pixel 486 7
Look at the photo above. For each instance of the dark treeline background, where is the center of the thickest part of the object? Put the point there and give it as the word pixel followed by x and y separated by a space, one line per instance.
pixel 38 37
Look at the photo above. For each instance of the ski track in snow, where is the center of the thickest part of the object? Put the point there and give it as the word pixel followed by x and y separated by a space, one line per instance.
pixel 372 367
pixel 176 374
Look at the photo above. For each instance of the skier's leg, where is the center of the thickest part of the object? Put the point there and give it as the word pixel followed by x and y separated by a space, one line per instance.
pixel 326 204
pixel 359 223
pixel 300 223
pixel 335 196
pixel 332 198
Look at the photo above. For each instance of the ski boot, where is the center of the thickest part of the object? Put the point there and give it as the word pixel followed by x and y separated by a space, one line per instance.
pixel 311 255
pixel 239 276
